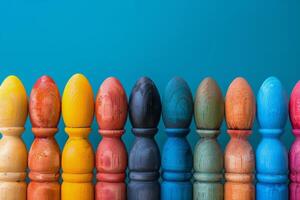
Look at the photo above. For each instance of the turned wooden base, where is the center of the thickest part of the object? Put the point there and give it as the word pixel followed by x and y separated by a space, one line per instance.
pixel 43 191
pixel 13 190
pixel 239 191
pixel 272 191
pixel 294 191
pixel 176 190
pixel 143 190
pixel 110 191
pixel 77 191
pixel 208 191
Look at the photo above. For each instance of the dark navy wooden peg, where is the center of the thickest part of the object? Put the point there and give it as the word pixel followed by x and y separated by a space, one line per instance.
pixel 144 157
pixel 271 154
pixel 177 161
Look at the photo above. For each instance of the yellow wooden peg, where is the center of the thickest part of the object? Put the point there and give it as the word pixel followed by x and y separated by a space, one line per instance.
pixel 78 155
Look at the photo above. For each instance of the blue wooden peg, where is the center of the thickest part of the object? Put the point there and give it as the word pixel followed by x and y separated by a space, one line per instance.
pixel 177 158
pixel 271 154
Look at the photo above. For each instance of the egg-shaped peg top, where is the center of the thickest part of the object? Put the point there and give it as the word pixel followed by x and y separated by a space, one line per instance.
pixel 78 102
pixel 44 103
pixel 295 106
pixel 209 105
pixel 111 105
pixel 13 103
pixel 177 104
pixel 272 104
pixel 239 105
pixel 144 104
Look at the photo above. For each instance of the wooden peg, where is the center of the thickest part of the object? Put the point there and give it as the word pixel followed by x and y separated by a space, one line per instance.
pixel 239 158
pixel 13 153
pixel 271 154
pixel 78 155
pixel 44 155
pixel 208 156
pixel 294 155
pixel 177 159
pixel 111 157
pixel 144 157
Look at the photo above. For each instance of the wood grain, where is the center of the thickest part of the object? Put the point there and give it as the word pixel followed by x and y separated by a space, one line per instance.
pixel 240 105
pixel 209 105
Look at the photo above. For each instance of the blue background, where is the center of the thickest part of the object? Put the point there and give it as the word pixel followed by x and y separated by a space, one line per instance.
pixel 157 38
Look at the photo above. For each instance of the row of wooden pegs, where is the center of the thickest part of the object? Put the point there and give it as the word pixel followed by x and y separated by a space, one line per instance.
pixel 184 176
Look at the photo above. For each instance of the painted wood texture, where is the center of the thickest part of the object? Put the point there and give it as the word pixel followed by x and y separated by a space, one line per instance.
pixel 208 156
pixel 144 157
pixel 271 154
pixel 44 155
pixel 13 153
pixel 177 160
pixel 111 157
pixel 239 158
pixel 294 155
pixel 77 156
